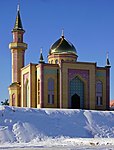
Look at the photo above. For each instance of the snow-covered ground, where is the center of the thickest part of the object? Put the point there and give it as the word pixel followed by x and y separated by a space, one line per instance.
pixel 56 129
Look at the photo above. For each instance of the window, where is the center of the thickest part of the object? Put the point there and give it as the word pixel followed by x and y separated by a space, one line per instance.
pixel 19 38
pixel 38 91
pixel 13 99
pixel 51 61
pixel 27 93
pixel 99 100
pixel 99 89
pixel 56 61
pixel 50 91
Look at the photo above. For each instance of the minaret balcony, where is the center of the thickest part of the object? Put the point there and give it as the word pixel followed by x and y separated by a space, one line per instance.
pixel 15 45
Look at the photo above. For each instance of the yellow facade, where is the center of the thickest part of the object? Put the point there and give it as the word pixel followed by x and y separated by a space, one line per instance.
pixel 31 78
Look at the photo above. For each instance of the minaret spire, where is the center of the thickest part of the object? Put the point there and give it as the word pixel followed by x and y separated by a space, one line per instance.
pixel 41 57
pixel 18 7
pixel 62 35
pixel 107 60
pixel 18 23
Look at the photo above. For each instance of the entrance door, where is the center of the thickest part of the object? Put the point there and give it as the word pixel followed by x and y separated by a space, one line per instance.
pixel 76 98
pixel 75 102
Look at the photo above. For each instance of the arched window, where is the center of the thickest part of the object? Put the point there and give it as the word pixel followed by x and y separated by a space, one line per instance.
pixel 51 61
pixel 19 38
pixel 56 61
pixel 50 91
pixel 99 93
pixel 27 93
pixel 13 99
pixel 38 91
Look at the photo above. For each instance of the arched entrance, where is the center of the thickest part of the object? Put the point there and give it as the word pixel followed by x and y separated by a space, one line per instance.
pixel 75 102
pixel 76 99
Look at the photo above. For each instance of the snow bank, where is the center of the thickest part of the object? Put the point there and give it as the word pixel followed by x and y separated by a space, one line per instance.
pixel 25 125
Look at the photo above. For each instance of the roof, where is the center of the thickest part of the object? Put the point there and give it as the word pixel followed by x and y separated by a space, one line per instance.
pixel 18 23
pixel 41 57
pixel 62 46
pixel 15 84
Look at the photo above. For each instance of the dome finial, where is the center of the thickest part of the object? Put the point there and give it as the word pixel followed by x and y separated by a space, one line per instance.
pixel 62 35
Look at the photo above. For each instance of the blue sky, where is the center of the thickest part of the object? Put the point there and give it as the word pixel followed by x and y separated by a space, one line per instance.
pixel 88 24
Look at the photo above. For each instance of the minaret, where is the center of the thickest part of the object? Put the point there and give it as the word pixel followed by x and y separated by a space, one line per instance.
pixel 18 48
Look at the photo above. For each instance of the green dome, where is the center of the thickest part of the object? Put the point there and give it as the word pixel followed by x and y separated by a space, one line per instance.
pixel 62 46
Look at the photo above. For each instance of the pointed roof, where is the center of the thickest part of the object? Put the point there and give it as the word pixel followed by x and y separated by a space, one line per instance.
pixel 107 60
pixel 41 57
pixel 18 23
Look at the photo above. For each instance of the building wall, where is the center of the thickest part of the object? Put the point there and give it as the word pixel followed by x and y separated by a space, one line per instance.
pixel 61 74
pixel 101 76
pixel 49 72
pixel 28 76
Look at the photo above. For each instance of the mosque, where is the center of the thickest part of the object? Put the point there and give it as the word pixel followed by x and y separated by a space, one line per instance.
pixel 62 82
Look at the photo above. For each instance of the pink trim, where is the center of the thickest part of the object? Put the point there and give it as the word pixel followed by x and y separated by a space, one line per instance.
pixel 13 99
pixel 41 86
pixel 26 76
pixel 107 87
pixel 61 91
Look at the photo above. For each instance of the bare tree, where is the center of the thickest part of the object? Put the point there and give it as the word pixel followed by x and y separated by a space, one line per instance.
pixel 6 102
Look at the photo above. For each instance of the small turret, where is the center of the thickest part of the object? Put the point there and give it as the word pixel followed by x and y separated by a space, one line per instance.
pixel 41 57
pixel 107 61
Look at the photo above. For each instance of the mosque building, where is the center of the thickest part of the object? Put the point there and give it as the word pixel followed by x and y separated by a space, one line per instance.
pixel 63 82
